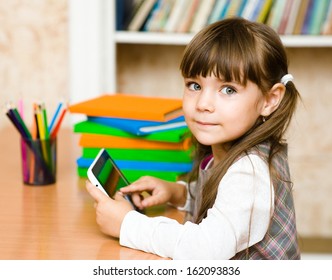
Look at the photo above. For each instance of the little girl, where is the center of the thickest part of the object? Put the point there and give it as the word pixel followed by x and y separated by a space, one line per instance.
pixel 238 102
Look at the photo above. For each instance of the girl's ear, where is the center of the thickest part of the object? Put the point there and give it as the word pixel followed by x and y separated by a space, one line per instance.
pixel 273 99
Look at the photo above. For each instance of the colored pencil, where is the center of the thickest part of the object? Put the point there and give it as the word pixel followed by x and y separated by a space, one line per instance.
pixel 57 126
pixel 55 116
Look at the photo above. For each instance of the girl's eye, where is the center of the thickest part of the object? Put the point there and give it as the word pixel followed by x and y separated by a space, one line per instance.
pixel 193 86
pixel 228 91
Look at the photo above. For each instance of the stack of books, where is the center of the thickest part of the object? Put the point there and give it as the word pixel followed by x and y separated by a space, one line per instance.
pixel 144 135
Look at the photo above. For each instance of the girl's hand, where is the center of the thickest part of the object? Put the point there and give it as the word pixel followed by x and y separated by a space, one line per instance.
pixel 160 191
pixel 109 212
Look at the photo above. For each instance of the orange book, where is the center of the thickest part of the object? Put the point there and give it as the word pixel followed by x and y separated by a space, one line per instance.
pixel 89 140
pixel 130 107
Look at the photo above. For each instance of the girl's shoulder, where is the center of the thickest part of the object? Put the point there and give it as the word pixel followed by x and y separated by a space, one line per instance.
pixel 264 150
pixel 276 157
pixel 264 153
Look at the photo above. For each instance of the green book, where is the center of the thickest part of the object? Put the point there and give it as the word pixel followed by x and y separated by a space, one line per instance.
pixel 174 135
pixel 133 175
pixel 144 155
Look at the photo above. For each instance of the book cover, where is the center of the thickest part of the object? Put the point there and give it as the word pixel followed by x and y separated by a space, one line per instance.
pixel 307 18
pixel 219 10
pixel 327 24
pixel 174 135
pixel 249 9
pixel 90 140
pixel 292 17
pixel 146 154
pixel 202 15
pixel 176 15
pixel 241 8
pixel 233 8
pixel 141 15
pixel 188 16
pixel 138 127
pixel 285 16
pixel 320 9
pixel 264 11
pixel 124 12
pixel 274 19
pixel 142 165
pixel 256 10
pixel 300 17
pixel 131 107
pixel 159 16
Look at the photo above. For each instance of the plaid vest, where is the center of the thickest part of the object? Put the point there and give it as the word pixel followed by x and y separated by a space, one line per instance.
pixel 280 241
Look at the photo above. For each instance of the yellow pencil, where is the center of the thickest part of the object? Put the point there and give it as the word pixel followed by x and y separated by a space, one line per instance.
pixel 41 128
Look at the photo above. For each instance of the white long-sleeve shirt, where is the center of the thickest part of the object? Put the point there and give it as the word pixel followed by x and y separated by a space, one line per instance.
pixel 245 188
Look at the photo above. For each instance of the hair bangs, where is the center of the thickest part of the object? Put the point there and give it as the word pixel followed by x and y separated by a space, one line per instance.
pixel 225 58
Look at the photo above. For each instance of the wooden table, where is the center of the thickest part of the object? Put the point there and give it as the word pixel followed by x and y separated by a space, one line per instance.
pixel 55 222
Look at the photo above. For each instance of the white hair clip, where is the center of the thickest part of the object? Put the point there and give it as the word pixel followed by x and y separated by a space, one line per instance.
pixel 287 78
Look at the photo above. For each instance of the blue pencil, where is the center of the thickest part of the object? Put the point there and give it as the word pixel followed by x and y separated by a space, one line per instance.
pixel 55 117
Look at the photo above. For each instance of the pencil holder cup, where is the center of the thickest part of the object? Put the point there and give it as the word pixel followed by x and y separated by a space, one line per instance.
pixel 38 161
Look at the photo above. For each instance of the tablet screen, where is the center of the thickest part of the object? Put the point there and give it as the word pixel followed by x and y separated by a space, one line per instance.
pixel 108 174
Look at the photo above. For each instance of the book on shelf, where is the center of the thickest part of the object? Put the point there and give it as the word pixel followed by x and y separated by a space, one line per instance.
pixel 175 135
pixel 130 106
pixel 301 17
pixel 233 8
pixel 159 15
pixel 202 15
pixel 140 17
pixel 138 127
pixel 285 16
pixel 327 24
pixel 257 7
pixel 176 15
pixel 307 18
pixel 264 11
pixel 219 10
pixel 188 16
pixel 125 9
pixel 276 13
pixel 249 9
pixel 320 9
pixel 294 10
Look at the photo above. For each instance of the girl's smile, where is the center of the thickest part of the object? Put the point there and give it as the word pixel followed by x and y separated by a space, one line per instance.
pixel 205 124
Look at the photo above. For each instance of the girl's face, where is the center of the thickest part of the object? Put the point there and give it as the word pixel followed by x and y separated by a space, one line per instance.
pixel 218 112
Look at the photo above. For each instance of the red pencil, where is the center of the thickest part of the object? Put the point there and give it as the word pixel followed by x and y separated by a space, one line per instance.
pixel 57 126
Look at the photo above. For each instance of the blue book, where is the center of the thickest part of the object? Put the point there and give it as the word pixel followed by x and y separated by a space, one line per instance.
pixel 305 28
pixel 141 165
pixel 139 127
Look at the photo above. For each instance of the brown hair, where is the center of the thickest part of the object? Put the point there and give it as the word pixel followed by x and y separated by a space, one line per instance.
pixel 236 49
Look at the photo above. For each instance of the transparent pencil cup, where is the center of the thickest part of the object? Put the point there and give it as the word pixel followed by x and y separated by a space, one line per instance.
pixel 38 161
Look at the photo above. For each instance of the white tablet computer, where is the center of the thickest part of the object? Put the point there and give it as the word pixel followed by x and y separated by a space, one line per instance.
pixel 106 175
